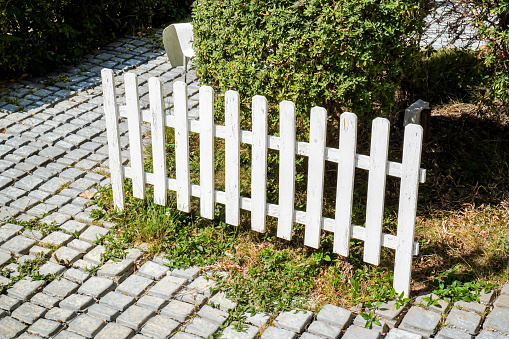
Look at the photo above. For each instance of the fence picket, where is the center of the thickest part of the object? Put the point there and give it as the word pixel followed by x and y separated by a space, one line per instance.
pixel 232 157
pixel 287 137
pixel 182 145
pixel 206 152
pixel 134 125
pixel 316 170
pixel 259 164
pixel 407 209
pixel 344 190
pixel 376 190
pixel 111 116
pixel 158 140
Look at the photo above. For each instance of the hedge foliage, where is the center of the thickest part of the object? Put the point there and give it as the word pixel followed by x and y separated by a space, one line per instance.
pixel 37 35
pixel 342 55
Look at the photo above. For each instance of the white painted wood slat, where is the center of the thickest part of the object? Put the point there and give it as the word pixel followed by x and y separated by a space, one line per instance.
pixel 316 170
pixel 259 164
pixel 135 143
pixel 158 140
pixel 345 185
pixel 111 116
pixel 182 146
pixel 232 157
pixel 412 148
pixel 206 152
pixel 376 190
pixel 287 137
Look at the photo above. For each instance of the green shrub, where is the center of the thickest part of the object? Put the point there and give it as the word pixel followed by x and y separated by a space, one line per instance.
pixel 342 55
pixel 37 35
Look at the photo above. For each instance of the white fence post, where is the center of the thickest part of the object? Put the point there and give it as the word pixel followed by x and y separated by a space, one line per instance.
pixel 158 140
pixel 135 143
pixel 182 146
pixel 316 170
pixel 232 157
pixel 407 207
pixel 207 152
pixel 287 137
pixel 376 190
pixel 259 164
pixel 344 191
pixel 111 116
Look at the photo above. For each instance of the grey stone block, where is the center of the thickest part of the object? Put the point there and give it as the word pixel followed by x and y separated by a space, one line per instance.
pixel 355 332
pixel 490 335
pixel 66 256
pixel 497 320
pixel 201 327
pixel 178 310
pixel 502 301
pixel 420 321
pixel 189 273
pixel 52 152
pixel 41 251
pixel 307 335
pixel 45 328
pixel 464 320
pixel 151 302
pixel 191 296
pixel 202 285
pixel 61 288
pixel 55 218
pixel 18 245
pixel 75 140
pixel 134 285
pixel 116 270
pixel 44 300
pixel 250 332
pixel 80 246
pixel 86 326
pixel 87 164
pixel 334 315
pixel 73 226
pixel 259 319
pixel 72 174
pixel 152 270
pixel 4 258
pixel 178 335
pixel 397 333
pixel 58 200
pixel 117 301
pixel 76 302
pixel 96 287
pixel 213 314
pixel 13 192
pixel 24 203
pixel 29 183
pixel 135 317
pixel 116 331
pixel 28 313
pixel 324 330
pixel 471 306
pixel 70 209
pixel 293 321
pixel 76 275
pixel 57 238
pixel 34 234
pixel 60 314
pixel 26 151
pixel 25 167
pixel 41 209
pixel 103 312
pixel 159 327
pixel 360 321
pixel 10 174
pixel 223 302
pixel 95 254
pixel 38 161
pixel 77 154
pixel 9 304
pixel 93 233
pixel 8 231
pixel 68 335
pixel 167 287
pixel 11 328
pixel 449 333
pixel 277 333
pixel 7 213
pixel 53 185
pixel 51 268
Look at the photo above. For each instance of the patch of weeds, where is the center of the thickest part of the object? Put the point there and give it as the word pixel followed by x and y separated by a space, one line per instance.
pixel 29 269
pixel 455 286
pixel 64 186
pixel 35 224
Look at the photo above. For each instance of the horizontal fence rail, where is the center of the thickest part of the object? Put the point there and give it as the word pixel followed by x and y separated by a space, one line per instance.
pixel 345 156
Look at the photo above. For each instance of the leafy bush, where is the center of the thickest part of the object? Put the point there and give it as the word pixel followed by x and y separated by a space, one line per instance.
pixel 342 55
pixel 37 35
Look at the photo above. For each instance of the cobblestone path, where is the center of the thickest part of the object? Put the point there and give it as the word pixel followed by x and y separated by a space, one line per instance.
pixel 53 148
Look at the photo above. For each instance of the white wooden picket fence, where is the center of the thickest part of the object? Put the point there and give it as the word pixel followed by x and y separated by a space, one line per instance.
pixel 345 156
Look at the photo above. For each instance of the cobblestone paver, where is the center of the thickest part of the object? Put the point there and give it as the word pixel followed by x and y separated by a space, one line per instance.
pixel 54 148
